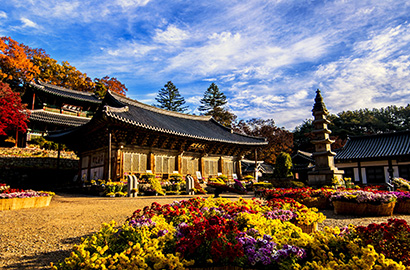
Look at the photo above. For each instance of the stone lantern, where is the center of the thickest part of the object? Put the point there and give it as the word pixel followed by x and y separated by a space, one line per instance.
pixel 324 170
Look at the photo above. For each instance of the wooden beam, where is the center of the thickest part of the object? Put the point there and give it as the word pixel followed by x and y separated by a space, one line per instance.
pixel 182 146
pixel 164 143
pixel 174 143
pixel 213 148
pixel 155 141
pixel 145 140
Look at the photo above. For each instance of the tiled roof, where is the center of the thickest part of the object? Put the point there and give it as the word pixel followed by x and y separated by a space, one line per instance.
pixel 66 93
pixel 57 118
pixel 305 155
pixel 375 146
pixel 152 118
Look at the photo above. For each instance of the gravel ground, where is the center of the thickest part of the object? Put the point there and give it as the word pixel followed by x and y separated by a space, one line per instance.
pixel 32 238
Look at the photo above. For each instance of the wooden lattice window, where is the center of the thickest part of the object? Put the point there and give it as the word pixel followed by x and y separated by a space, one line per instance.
pixel 164 164
pixel 190 165
pixel 211 167
pixel 229 168
pixel 135 162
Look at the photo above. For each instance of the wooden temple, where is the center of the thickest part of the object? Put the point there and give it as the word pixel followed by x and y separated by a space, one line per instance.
pixel 56 108
pixel 128 137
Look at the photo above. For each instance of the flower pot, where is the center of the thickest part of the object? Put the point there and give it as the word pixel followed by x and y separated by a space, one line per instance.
pixel 363 209
pixel 318 202
pixel 20 203
pixel 308 228
pixel 384 209
pixel 43 201
pixel 349 208
pixel 402 207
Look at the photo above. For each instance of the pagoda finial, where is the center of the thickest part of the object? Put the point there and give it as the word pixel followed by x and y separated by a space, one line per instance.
pixel 319 105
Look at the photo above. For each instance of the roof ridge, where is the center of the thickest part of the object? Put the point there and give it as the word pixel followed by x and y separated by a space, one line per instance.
pixel 44 84
pixel 392 133
pixel 136 103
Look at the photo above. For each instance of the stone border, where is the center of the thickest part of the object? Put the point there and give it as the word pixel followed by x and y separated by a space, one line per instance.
pixel 20 203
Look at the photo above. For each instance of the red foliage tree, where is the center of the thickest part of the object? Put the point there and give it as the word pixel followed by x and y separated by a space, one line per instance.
pixel 279 139
pixel 13 114
pixel 107 83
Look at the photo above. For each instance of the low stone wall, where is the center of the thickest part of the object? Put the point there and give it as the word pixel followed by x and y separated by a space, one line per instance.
pixel 39 173
pixel 38 163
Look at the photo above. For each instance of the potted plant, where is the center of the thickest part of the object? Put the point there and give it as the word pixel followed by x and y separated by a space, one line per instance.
pixel 363 203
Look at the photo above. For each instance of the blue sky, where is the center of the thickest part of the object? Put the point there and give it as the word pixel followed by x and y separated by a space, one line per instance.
pixel 268 57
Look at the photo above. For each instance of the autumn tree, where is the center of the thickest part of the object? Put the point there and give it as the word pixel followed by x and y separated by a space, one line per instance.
pixel 213 104
pixel 16 68
pixel 107 83
pixel 170 99
pixel 19 64
pixel 13 114
pixel 64 74
pixel 279 139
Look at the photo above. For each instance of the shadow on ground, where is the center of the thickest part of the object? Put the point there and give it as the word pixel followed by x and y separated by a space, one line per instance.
pixel 43 260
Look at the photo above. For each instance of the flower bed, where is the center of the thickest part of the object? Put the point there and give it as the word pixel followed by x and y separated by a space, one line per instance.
pixel 221 234
pixel 318 198
pixel 12 199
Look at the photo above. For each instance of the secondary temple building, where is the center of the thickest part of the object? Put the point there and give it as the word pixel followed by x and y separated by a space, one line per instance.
pixel 129 137
pixel 56 108
pixel 375 159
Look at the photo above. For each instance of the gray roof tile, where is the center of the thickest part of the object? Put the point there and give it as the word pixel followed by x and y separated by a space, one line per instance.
pixel 66 93
pixel 375 146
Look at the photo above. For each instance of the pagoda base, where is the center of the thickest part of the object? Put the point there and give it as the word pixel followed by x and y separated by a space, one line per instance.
pixel 323 177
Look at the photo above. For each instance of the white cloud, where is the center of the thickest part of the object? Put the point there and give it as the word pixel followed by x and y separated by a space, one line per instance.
pixel 3 15
pixel 130 50
pixel 172 35
pixel 28 23
pixel 376 75
pixel 132 3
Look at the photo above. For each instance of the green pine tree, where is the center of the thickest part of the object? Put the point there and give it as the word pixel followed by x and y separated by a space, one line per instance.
pixel 170 99
pixel 212 104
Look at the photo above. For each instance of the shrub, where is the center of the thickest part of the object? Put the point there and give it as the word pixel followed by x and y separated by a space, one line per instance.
pixel 283 166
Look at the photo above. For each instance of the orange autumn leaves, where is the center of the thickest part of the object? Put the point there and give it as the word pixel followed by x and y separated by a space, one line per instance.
pixel 20 64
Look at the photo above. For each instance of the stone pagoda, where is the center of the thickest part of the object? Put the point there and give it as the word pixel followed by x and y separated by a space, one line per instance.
pixel 324 170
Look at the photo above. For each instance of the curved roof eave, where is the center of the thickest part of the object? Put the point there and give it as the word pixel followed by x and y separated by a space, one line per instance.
pixel 134 123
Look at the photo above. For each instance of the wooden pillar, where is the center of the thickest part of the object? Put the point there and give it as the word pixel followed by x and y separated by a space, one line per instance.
pixel 32 104
pixel 178 162
pixel 151 162
pixel 119 168
pixel 109 156
pixel 202 166
pixel 239 169
pixel 58 155
pixel 221 165
pixel 256 164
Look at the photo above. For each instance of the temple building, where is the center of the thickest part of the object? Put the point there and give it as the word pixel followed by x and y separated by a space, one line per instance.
pixel 56 108
pixel 375 159
pixel 129 137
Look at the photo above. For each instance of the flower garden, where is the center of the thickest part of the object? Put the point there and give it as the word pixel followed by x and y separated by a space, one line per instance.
pixel 276 233
pixel 12 199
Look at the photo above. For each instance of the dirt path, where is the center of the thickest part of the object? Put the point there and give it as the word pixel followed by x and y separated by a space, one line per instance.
pixel 32 238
